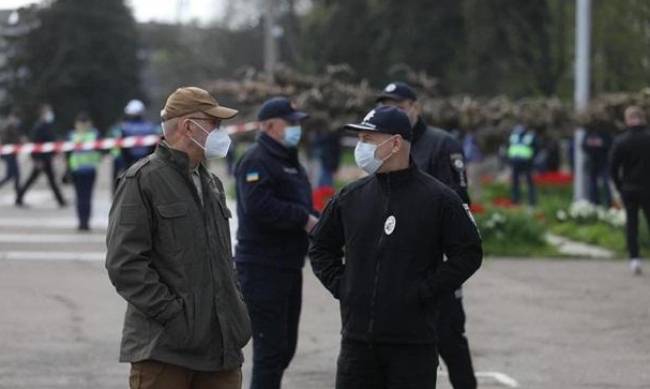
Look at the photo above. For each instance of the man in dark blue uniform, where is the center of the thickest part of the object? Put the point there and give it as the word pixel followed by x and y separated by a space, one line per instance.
pixel 134 124
pixel 274 206
pixel 437 153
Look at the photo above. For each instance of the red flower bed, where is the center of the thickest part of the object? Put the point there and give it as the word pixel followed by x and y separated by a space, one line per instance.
pixel 477 208
pixel 503 202
pixel 553 179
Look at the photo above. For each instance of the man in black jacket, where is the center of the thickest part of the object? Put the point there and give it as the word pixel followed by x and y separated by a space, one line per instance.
pixel 43 132
pixel 630 171
pixel 393 227
pixel 437 153
pixel 274 207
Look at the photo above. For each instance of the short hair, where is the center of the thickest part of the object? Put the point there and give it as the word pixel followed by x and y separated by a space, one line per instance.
pixel 635 112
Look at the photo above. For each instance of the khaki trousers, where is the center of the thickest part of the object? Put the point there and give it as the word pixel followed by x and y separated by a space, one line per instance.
pixel 159 375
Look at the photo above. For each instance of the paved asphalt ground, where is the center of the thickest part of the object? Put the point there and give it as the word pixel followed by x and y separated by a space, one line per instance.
pixel 531 323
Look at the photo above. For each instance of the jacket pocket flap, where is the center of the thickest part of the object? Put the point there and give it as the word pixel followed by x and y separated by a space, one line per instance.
pixel 172 210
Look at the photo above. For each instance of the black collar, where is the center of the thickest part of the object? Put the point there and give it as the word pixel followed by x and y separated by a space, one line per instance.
pixel 277 149
pixel 398 176
pixel 418 129
pixel 637 128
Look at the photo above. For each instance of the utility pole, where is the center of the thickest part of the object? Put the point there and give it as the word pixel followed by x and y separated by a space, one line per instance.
pixel 581 96
pixel 271 32
pixel 182 7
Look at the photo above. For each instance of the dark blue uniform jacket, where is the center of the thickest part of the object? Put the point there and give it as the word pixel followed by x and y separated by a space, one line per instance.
pixel 274 201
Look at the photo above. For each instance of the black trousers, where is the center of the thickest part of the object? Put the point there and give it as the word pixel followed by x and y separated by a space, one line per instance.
pixel 13 171
pixel 452 343
pixel 41 166
pixel 523 169
pixel 633 201
pixel 274 300
pixel 386 366
pixel 84 183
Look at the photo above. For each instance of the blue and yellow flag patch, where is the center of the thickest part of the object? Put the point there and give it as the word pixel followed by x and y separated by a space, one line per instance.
pixel 252 177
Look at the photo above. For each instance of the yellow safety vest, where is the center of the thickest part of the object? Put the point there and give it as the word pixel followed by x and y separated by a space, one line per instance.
pixel 521 146
pixel 84 159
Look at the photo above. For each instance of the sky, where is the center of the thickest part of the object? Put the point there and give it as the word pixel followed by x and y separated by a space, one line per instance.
pixel 158 10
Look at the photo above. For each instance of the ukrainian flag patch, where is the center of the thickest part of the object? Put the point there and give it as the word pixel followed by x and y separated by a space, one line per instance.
pixel 252 177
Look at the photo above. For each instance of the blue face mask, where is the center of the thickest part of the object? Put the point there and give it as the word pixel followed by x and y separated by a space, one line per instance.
pixel 292 136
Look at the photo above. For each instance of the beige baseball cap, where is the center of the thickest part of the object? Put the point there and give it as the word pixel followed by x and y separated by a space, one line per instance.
pixel 191 99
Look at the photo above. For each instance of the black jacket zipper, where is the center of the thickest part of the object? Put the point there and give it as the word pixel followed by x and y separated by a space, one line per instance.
pixel 380 244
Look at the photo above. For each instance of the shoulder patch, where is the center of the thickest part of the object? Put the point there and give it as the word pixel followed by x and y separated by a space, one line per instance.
pixel 252 176
pixel 135 168
pixel 457 161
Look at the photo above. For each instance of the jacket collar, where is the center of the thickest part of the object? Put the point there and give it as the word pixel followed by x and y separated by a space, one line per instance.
pixel 178 159
pixel 276 149
pixel 399 176
pixel 637 128
pixel 418 129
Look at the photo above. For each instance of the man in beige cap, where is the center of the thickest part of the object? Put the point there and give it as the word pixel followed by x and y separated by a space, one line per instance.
pixel 169 256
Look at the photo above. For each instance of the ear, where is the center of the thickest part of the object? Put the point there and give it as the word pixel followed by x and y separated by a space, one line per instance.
pixel 397 143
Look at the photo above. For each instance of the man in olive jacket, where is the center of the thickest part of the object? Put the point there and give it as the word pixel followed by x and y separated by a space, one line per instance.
pixel 169 256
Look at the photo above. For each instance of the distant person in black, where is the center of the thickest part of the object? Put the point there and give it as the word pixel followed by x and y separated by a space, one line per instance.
pixel 630 171
pixel 379 250
pixel 597 145
pixel 43 132
pixel 11 133
pixel 328 150
pixel 437 153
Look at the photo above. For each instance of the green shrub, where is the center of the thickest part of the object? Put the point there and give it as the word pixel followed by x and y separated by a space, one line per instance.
pixel 513 232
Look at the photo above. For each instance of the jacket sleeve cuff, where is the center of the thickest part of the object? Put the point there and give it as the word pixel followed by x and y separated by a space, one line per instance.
pixel 171 310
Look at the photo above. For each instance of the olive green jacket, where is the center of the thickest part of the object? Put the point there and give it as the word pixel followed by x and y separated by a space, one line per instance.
pixel 169 256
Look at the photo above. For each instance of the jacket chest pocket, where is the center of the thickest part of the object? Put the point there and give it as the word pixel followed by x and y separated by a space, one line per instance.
pixel 293 187
pixel 174 227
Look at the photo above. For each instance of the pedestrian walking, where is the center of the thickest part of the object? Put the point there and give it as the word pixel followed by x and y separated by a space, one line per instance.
pixel 42 161
pixel 630 171
pixel 11 133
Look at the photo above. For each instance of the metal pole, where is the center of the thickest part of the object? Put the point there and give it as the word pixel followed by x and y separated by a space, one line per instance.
pixel 270 44
pixel 581 97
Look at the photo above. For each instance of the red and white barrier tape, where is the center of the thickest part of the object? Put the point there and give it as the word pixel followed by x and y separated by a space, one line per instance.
pixel 102 144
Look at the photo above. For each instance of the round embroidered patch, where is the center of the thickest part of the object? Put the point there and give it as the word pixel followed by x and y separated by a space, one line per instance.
pixel 389 226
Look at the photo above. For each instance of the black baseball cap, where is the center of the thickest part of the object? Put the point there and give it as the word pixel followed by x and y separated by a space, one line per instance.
pixel 385 119
pixel 280 108
pixel 398 91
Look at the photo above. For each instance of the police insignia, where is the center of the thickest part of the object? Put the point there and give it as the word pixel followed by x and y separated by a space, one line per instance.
pixel 252 177
pixel 390 224
pixel 457 161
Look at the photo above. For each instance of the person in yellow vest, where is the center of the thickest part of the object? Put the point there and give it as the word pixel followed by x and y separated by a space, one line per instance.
pixel 521 153
pixel 82 166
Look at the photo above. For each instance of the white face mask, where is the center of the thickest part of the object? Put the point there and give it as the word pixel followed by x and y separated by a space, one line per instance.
pixel 364 156
pixel 216 144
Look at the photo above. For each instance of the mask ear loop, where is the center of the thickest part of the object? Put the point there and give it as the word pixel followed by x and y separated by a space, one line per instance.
pixel 381 144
